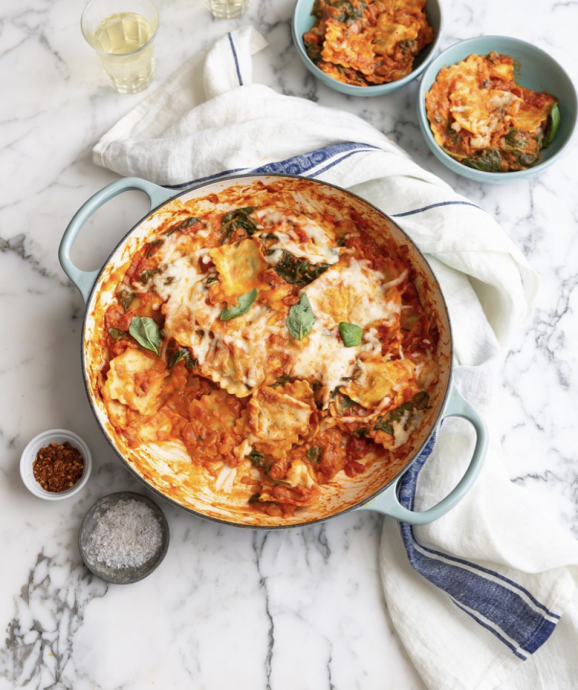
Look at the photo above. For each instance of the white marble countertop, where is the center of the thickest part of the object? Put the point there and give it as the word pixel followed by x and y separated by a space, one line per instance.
pixel 228 607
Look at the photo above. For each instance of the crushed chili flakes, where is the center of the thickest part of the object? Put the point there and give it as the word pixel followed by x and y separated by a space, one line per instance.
pixel 58 467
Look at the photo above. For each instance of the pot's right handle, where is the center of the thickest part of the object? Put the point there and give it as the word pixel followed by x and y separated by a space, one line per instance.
pixel 388 502
pixel 84 280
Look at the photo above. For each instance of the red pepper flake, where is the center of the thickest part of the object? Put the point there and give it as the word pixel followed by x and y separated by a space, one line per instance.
pixel 58 467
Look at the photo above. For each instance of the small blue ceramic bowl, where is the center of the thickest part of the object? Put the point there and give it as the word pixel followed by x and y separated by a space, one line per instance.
pixel 533 69
pixel 303 21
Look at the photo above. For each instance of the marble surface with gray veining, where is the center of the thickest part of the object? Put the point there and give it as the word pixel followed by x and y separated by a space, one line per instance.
pixel 228 607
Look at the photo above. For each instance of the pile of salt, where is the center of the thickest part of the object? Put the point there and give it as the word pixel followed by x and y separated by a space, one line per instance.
pixel 127 535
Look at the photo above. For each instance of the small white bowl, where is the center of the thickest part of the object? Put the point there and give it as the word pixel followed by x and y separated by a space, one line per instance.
pixel 31 451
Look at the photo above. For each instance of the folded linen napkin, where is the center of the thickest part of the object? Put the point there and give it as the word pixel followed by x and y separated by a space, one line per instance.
pixel 481 590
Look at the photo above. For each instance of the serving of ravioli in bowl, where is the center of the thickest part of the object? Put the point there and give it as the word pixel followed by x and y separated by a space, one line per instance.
pixel 496 109
pixel 366 47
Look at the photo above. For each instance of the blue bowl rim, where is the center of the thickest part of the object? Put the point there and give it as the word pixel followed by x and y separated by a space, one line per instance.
pixel 453 164
pixel 352 89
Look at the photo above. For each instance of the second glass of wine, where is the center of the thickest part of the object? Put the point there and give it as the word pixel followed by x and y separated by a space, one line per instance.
pixel 122 32
pixel 227 9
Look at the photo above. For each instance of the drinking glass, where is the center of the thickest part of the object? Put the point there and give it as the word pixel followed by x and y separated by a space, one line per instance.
pixel 122 32
pixel 227 9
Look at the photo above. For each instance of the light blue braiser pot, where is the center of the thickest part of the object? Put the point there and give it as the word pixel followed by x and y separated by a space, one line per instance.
pixel 377 488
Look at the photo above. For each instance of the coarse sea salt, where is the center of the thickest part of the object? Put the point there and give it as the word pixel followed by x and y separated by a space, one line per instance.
pixel 127 535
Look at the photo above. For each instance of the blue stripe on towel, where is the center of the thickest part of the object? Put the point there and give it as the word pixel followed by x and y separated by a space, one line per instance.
pixel 427 208
pixel 303 164
pixel 308 163
pixel 509 611
pixel 235 58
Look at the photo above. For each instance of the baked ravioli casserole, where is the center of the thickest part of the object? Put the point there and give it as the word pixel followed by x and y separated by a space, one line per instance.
pixel 281 340
pixel 483 119
pixel 366 42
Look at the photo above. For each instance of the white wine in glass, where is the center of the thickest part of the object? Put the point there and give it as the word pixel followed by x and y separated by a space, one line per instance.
pixel 123 41
pixel 227 9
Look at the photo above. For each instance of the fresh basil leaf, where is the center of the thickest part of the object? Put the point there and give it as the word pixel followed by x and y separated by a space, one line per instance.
pixel 350 334
pixel 116 334
pixel 244 303
pixel 237 220
pixel 359 433
pixel 126 297
pixel 314 454
pixel 553 125
pixel 301 318
pixel 298 271
pixel 182 226
pixel 145 331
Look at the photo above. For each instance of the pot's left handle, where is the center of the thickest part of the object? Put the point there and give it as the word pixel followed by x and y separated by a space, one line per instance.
pixel 84 280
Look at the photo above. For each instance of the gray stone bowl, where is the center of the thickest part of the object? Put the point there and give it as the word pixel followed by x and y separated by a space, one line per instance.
pixel 130 574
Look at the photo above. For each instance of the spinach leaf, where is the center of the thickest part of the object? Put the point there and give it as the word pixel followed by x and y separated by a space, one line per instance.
pixel 489 161
pixel 145 276
pixel 126 297
pixel 281 381
pixel 381 424
pixel 346 401
pixel 152 246
pixel 349 12
pixel 237 220
pixel 515 139
pixel 314 454
pixel 258 460
pixel 313 52
pixel 527 159
pixel 182 226
pixel 298 271
pixel 350 334
pixel 244 303
pixel 301 318
pixel 116 334
pixel 420 401
pixel 553 125
pixel 145 331
pixel 185 354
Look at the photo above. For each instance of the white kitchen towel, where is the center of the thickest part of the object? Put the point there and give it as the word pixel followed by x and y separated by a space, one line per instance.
pixel 483 589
